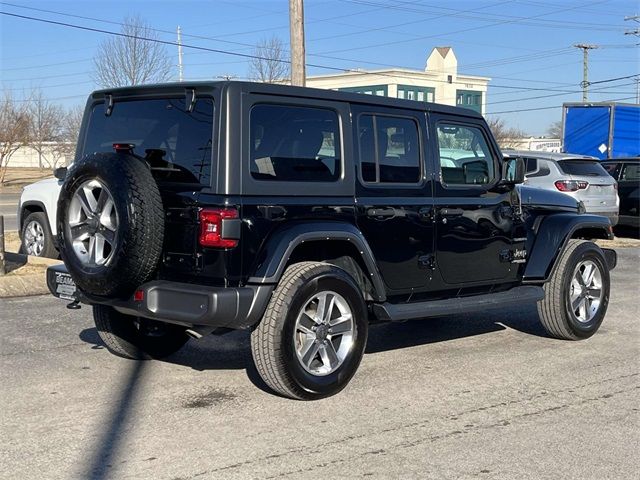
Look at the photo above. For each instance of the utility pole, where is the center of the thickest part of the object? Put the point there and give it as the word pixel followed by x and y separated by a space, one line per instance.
pixel 180 69
pixel 585 68
pixel 296 32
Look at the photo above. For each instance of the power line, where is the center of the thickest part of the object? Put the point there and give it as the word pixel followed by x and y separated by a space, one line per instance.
pixel 550 108
pixel 503 22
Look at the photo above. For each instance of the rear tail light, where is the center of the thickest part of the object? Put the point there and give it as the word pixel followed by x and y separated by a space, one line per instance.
pixel 212 233
pixel 571 185
pixel 567 185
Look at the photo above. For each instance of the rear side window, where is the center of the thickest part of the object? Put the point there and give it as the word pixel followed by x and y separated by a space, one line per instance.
pixel 389 149
pixel 465 157
pixel 176 143
pixel 611 168
pixel 630 172
pixel 531 164
pixel 294 144
pixel 591 168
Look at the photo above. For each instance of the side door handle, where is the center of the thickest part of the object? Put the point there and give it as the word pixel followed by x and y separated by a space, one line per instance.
pixel 451 212
pixel 383 212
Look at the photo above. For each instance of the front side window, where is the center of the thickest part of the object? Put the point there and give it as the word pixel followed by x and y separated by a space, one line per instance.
pixel 175 142
pixel 290 143
pixel 389 149
pixel 465 157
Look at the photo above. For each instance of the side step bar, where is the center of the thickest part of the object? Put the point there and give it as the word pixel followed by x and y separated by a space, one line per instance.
pixel 436 308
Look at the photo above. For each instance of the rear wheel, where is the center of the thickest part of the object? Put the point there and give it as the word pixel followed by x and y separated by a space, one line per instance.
pixel 577 295
pixel 312 337
pixel 137 338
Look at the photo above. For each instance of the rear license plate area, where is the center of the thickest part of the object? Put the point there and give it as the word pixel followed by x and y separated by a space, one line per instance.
pixel 65 287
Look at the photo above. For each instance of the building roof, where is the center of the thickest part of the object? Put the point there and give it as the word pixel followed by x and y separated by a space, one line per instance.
pixel 443 51
pixel 399 71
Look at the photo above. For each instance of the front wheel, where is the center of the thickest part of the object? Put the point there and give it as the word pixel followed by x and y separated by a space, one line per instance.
pixel 137 338
pixel 312 337
pixel 37 239
pixel 577 294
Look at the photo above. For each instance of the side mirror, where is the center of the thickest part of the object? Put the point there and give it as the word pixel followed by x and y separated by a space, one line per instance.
pixel 513 171
pixel 60 173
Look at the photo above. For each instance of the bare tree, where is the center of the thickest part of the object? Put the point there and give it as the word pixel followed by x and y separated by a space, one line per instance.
pixel 71 122
pixel 507 137
pixel 45 128
pixel 555 129
pixel 133 59
pixel 269 66
pixel 14 129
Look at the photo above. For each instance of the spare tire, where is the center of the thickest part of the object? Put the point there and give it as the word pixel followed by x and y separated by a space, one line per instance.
pixel 110 224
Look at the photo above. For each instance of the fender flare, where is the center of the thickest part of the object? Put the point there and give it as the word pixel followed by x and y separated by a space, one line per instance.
pixel 551 238
pixel 280 246
pixel 22 209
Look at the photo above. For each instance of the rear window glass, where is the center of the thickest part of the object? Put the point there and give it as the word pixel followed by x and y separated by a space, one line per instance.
pixel 294 144
pixel 590 168
pixel 175 142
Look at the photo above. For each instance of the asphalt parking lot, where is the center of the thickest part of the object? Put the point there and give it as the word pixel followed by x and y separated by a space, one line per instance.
pixel 483 396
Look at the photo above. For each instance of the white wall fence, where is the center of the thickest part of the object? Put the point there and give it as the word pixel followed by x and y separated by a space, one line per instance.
pixel 52 155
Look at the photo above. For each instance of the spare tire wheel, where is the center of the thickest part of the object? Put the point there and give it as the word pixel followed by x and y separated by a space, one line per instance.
pixel 111 223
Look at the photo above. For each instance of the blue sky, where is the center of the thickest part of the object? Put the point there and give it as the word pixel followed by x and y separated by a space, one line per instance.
pixel 525 46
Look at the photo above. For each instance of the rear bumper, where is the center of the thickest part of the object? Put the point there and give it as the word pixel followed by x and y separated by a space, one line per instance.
pixel 180 303
pixel 612 215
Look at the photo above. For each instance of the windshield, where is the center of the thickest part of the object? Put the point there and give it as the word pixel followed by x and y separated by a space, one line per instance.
pixel 176 143
pixel 583 167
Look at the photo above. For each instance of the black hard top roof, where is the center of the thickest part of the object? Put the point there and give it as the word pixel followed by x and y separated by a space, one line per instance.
pixel 621 159
pixel 275 89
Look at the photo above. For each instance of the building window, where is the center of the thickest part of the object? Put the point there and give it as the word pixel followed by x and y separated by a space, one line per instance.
pixel 379 90
pixel 389 149
pixel 420 94
pixel 469 99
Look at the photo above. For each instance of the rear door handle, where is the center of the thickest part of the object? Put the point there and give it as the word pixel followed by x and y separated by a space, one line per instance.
pixel 451 212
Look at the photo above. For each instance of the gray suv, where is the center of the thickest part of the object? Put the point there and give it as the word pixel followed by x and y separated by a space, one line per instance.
pixel 580 176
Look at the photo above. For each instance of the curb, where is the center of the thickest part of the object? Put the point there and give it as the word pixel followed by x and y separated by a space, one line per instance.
pixel 25 285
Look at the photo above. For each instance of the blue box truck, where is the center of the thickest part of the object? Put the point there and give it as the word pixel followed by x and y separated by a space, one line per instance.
pixel 603 130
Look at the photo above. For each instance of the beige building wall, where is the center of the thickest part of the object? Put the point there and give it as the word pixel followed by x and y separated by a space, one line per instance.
pixel 440 74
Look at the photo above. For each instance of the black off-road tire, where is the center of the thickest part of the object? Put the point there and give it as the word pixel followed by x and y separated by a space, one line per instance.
pixel 272 343
pixel 137 338
pixel 49 249
pixel 140 230
pixel 554 310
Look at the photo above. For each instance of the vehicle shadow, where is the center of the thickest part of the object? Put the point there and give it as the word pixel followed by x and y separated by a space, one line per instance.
pixel 232 351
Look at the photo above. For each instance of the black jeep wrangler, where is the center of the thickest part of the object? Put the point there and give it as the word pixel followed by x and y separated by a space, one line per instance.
pixel 304 215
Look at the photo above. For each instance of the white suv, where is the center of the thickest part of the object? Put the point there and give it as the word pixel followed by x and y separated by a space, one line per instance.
pixel 579 176
pixel 37 213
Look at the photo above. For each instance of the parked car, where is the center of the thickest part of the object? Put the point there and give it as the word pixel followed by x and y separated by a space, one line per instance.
pixel 302 214
pixel 37 213
pixel 627 173
pixel 579 176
